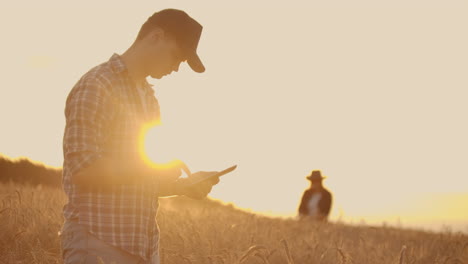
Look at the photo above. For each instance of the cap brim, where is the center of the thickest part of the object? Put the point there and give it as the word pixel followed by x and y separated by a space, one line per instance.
pixel 195 63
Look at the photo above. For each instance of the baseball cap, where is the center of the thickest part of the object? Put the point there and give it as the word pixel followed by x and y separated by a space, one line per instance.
pixel 184 29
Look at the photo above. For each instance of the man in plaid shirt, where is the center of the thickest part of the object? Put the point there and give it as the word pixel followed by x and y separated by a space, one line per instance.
pixel 112 193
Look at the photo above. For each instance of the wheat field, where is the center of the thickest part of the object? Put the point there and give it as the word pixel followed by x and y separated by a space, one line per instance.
pixel 211 232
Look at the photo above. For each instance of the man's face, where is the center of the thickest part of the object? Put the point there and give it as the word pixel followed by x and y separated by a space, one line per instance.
pixel 316 183
pixel 165 58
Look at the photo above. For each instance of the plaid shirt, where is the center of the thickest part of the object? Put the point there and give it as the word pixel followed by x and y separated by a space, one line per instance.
pixel 104 117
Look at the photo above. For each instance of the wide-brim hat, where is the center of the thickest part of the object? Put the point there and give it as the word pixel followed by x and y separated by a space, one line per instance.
pixel 315 175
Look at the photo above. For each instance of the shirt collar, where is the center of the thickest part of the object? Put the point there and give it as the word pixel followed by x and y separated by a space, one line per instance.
pixel 118 66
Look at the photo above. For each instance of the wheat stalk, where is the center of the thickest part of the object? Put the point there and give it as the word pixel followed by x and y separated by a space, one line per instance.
pixel 342 255
pixel 288 252
pixel 19 195
pixel 251 251
pixel 402 254
pixel 262 257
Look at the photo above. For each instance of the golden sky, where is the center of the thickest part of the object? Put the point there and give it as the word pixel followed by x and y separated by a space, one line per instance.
pixel 373 93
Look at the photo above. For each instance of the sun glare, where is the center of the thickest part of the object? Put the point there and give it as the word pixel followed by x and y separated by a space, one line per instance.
pixel 160 162
pixel 142 145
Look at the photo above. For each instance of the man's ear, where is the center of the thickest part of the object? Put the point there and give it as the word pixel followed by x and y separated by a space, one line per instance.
pixel 155 35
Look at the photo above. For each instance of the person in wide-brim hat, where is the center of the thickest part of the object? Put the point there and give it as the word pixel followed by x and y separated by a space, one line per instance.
pixel 316 201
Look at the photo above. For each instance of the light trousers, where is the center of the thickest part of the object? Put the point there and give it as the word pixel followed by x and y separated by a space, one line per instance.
pixel 81 247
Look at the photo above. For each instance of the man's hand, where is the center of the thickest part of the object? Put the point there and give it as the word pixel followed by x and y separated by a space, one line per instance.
pixel 199 190
pixel 168 175
pixel 172 170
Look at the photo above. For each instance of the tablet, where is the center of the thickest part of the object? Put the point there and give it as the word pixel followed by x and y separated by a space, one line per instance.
pixel 220 173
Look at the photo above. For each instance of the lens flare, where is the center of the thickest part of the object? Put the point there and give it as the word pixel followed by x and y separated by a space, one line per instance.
pixel 174 163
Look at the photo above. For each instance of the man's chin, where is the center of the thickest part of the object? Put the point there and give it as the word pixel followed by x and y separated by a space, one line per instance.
pixel 159 76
